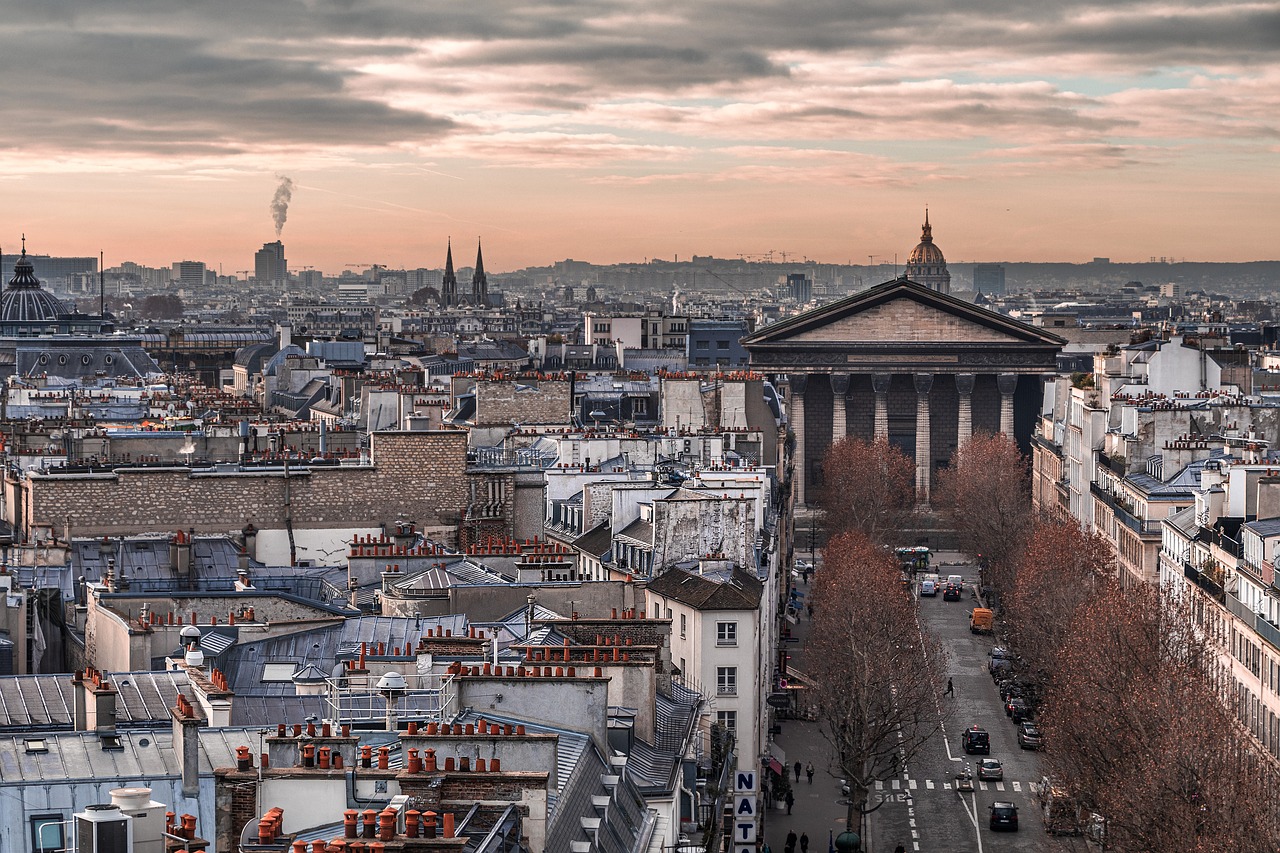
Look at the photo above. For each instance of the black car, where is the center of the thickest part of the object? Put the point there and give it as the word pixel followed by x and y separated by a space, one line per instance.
pixel 1004 816
pixel 1021 711
pixel 951 593
pixel 976 741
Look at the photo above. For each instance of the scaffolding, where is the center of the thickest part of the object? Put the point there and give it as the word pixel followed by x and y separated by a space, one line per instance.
pixel 357 701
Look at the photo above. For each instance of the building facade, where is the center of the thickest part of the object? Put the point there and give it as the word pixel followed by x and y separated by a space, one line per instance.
pixel 908 363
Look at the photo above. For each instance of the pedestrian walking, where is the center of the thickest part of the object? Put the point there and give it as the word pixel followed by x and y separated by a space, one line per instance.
pixel 808 573
pixel 791 842
pixel 804 842
pixel 797 768
pixel 951 689
pixel 791 801
pixel 899 849
pixel 808 771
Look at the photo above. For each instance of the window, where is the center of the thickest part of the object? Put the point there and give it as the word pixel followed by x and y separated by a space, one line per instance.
pixel 657 610
pixel 683 624
pixel 640 406
pixel 703 345
pixel 47 833
pixel 726 680
pixel 726 633
pixel 276 672
pixel 722 344
pixel 728 719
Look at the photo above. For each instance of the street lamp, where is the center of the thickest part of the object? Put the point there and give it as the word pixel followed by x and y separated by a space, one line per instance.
pixel 392 685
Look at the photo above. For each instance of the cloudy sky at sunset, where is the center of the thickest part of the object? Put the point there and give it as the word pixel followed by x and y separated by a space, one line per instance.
pixel 616 130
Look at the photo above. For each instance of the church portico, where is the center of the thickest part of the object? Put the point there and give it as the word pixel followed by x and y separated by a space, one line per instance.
pixel 901 360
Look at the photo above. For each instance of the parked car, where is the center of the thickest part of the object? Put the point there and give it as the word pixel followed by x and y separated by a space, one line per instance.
pixel 1000 658
pixel 1022 712
pixel 951 593
pixel 1004 816
pixel 1029 736
pixel 990 770
pixel 976 740
pixel 1015 707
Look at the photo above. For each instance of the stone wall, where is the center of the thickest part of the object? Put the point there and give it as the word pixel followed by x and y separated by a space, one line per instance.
pixel 419 476
pixel 523 401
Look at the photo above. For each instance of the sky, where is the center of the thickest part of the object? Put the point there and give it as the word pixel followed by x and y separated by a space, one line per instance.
pixel 624 130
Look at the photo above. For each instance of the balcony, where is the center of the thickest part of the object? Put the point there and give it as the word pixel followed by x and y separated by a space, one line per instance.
pixel 1264 629
pixel 1122 513
pixel 1205 582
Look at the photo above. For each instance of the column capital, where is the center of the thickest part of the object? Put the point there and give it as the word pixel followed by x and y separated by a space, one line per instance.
pixel 798 382
pixel 964 382
pixel 840 384
pixel 1007 382
pixel 924 383
pixel 880 382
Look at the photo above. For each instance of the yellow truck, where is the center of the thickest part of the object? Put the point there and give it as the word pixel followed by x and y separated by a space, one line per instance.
pixel 981 620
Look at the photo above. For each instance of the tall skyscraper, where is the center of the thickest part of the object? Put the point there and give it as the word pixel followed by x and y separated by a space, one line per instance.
pixel 988 279
pixel 269 264
pixel 189 273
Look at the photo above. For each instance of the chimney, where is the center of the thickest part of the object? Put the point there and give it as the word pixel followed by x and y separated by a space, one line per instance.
pixel 180 554
pixel 250 535
pixel 186 744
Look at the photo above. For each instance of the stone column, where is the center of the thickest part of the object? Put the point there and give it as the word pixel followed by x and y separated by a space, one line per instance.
pixel 840 412
pixel 964 426
pixel 1007 383
pixel 880 384
pixel 924 462
pixel 795 416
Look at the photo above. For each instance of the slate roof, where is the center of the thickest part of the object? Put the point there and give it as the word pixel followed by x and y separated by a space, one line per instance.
pixel 1265 527
pixel 739 590
pixel 145 755
pixel 596 541
pixel 47 702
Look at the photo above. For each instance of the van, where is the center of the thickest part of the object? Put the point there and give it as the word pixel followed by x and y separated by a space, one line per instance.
pixel 929 588
pixel 955 580
pixel 981 620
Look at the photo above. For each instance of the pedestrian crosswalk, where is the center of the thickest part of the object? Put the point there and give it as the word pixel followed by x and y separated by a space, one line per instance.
pixel 1016 787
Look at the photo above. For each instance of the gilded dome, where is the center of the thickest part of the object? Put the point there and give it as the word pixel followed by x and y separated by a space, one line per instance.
pixel 926 253
pixel 25 301
pixel 926 263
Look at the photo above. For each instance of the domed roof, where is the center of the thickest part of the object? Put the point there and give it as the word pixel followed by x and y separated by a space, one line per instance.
pixel 926 253
pixel 25 301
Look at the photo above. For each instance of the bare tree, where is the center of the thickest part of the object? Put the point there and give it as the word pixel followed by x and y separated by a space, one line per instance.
pixel 869 488
pixel 1139 735
pixel 877 674
pixel 1060 569
pixel 986 494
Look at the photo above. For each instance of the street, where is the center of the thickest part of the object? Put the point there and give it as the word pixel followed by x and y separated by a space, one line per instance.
pixel 922 809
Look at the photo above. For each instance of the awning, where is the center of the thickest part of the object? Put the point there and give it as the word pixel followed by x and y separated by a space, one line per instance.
pixel 773 764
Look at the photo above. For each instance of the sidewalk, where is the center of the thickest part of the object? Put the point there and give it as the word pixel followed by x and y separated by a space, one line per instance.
pixel 820 810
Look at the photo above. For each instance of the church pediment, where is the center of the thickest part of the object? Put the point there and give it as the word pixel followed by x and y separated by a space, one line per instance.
pixel 900 312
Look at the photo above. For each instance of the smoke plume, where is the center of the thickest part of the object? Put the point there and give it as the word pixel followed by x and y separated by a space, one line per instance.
pixel 280 203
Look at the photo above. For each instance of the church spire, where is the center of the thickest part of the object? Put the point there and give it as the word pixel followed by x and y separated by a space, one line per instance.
pixel 449 286
pixel 479 281
pixel 926 234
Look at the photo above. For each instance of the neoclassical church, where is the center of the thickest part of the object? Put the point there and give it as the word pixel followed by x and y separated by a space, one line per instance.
pixel 41 338
pixel 908 361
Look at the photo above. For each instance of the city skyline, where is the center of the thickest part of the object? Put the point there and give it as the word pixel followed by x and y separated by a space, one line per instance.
pixel 613 135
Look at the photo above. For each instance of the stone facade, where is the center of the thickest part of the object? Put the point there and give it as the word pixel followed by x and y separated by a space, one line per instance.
pixel 527 400
pixel 419 476
pixel 903 362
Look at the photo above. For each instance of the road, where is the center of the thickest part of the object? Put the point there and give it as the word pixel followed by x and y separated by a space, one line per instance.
pixel 923 810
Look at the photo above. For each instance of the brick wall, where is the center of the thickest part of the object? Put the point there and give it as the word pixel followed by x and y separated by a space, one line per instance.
pixel 419 476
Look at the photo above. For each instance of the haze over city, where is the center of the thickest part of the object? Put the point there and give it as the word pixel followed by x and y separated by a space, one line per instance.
pixel 632 131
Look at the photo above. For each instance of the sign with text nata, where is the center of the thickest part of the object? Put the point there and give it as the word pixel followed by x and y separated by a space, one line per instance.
pixel 745 808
